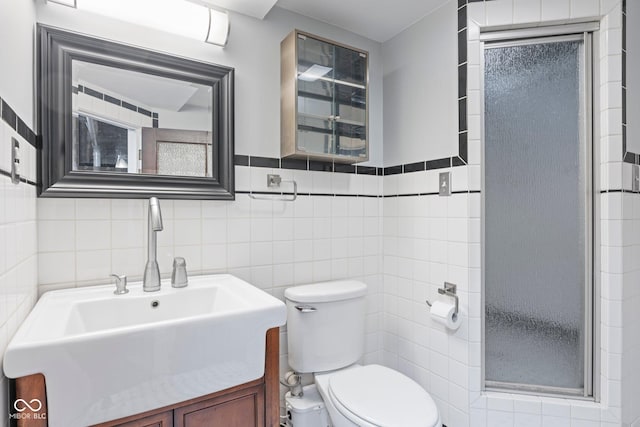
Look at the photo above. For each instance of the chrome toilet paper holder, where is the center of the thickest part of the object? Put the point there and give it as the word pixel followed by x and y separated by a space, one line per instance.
pixel 449 290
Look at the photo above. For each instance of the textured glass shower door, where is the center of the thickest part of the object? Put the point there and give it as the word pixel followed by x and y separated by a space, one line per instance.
pixel 537 216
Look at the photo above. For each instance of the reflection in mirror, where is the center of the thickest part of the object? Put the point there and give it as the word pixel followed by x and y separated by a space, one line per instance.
pixel 130 122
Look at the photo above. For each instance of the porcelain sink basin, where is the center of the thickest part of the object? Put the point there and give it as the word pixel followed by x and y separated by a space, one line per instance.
pixel 107 356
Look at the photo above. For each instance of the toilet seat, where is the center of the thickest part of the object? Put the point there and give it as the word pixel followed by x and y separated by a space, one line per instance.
pixel 376 396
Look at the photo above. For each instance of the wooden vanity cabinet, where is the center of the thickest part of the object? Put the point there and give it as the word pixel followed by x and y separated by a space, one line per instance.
pixel 244 407
pixel 254 404
pixel 163 419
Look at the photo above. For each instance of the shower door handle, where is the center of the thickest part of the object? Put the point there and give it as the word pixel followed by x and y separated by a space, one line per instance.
pixel 305 308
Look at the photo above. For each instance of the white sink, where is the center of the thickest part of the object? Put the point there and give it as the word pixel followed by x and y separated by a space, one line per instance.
pixel 107 356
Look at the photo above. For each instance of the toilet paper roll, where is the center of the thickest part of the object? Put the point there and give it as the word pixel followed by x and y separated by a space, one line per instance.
pixel 444 314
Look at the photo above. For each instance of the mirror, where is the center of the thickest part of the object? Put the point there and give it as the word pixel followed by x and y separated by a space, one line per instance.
pixel 631 80
pixel 120 121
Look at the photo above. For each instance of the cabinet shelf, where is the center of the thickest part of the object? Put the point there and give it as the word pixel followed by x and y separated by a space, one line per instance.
pixel 324 112
pixel 337 119
pixel 340 82
pixel 340 98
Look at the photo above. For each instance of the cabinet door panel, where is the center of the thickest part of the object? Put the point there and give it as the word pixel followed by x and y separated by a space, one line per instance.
pixel 244 408
pixel 164 419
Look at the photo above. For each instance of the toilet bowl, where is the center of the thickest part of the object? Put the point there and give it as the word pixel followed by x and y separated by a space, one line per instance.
pixel 375 396
pixel 325 328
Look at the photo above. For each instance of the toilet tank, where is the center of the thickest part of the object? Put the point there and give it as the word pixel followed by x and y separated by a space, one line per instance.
pixel 325 325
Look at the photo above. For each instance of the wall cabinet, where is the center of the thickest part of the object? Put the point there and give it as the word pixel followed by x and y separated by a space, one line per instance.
pixel 254 404
pixel 323 102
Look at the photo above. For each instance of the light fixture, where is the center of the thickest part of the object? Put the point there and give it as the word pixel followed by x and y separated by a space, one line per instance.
pixel 70 3
pixel 314 72
pixel 179 17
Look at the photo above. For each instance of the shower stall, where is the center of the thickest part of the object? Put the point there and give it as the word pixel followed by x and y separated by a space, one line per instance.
pixel 538 226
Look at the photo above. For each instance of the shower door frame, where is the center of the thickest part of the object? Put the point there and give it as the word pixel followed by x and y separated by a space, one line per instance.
pixel 587 33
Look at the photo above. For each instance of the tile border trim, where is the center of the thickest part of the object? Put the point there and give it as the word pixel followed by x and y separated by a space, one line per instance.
pixel 23 180
pixel 17 124
pixel 619 191
pixel 309 194
pixel 117 102
pixel 370 196
pixel 320 166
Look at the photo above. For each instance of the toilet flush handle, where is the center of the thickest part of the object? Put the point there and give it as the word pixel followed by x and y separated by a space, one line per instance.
pixel 305 308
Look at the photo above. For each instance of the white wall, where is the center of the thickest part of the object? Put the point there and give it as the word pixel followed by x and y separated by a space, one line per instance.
pixel 16 56
pixel 191 120
pixel 420 90
pixel 18 246
pixel 254 51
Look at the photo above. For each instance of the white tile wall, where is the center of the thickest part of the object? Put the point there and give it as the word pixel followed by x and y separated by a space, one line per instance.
pixel 271 244
pixel 514 410
pixel 629 317
pixel 410 222
pixel 18 253
pixel 425 243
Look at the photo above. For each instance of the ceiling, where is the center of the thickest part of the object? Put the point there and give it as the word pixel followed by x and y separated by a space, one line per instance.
pixel 154 92
pixel 377 20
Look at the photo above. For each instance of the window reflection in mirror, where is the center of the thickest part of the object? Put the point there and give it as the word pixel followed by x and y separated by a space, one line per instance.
pixel 130 122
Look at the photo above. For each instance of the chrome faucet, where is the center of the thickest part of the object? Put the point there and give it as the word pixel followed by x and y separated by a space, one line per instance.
pixel 151 281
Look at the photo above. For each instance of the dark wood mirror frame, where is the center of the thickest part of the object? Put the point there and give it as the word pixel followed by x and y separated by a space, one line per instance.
pixel 56 51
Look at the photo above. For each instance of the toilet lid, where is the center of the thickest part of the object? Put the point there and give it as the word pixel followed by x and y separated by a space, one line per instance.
pixel 383 397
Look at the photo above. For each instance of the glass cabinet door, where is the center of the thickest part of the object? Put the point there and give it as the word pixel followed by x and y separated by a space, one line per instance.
pixel 331 101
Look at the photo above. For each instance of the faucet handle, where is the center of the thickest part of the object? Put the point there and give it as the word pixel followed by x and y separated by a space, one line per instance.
pixel 121 284
pixel 179 276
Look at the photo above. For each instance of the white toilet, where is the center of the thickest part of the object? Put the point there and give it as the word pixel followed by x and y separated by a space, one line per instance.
pixel 326 327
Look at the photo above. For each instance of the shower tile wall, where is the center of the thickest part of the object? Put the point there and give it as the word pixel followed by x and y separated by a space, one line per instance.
pixel 505 409
pixel 423 236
